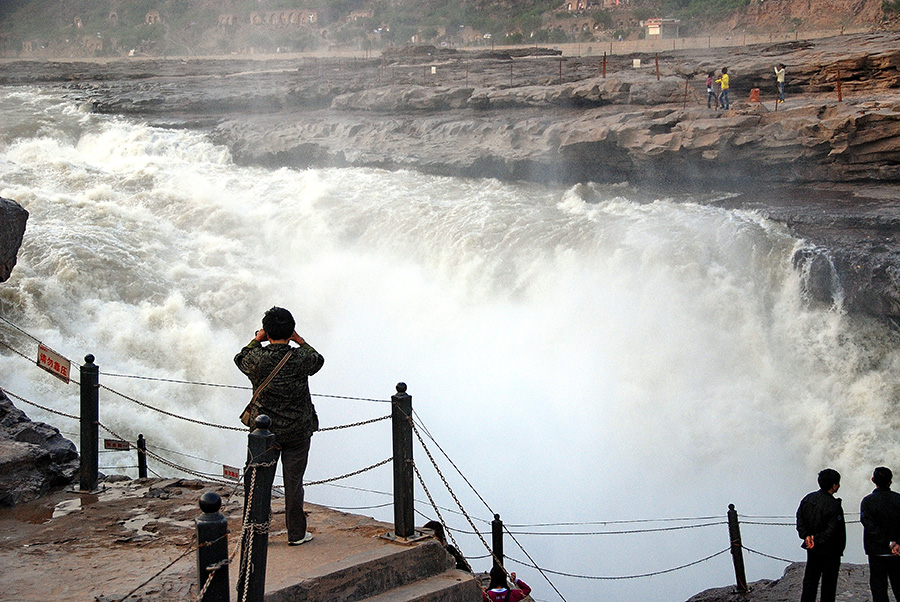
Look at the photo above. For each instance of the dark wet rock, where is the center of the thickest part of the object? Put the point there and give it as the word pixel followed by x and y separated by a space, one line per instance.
pixel 12 230
pixel 34 457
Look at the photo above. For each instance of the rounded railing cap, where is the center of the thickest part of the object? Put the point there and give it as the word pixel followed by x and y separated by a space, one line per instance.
pixel 210 502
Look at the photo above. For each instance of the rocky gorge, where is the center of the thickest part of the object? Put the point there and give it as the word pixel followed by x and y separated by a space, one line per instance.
pixel 826 162
pixel 826 168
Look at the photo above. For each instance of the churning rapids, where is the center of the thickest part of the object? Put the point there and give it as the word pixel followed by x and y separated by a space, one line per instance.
pixel 583 354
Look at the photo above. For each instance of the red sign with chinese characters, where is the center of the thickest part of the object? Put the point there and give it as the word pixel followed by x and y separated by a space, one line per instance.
pixel 53 363
pixel 116 444
pixel 230 472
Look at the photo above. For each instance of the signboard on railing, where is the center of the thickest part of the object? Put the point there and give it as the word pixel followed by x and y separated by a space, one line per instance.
pixel 53 363
pixel 230 472
pixel 116 444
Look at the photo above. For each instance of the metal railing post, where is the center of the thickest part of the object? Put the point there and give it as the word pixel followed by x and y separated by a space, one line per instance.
pixel 142 456
pixel 258 478
pixel 401 421
pixel 497 540
pixel 90 416
pixel 737 554
pixel 212 550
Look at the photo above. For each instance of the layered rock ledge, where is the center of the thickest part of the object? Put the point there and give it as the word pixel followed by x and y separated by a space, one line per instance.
pixel 827 167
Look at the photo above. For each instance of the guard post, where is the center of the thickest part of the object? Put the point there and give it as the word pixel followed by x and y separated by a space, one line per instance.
pixel 401 422
pixel 737 553
pixel 259 474
pixel 497 540
pixel 90 417
pixel 212 550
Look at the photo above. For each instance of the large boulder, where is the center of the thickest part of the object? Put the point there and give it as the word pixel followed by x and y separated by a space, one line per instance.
pixel 12 229
pixel 34 457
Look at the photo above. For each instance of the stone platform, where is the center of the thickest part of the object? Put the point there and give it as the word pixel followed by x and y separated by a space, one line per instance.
pixel 138 538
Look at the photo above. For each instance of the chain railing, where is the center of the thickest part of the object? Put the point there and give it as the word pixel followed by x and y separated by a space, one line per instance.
pixel 252 529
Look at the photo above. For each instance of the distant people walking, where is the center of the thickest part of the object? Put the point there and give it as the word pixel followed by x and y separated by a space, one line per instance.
pixel 879 513
pixel 499 591
pixel 286 401
pixel 820 524
pixel 438 530
pixel 779 78
pixel 711 96
pixel 724 85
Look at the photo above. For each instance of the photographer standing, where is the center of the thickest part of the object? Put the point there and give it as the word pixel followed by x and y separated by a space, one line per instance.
pixel 286 400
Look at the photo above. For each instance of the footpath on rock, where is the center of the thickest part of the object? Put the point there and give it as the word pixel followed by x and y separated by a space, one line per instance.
pixel 826 162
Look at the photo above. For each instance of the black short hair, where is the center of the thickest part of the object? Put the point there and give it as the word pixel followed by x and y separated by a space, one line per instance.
pixel 828 478
pixel 498 577
pixel 882 476
pixel 278 323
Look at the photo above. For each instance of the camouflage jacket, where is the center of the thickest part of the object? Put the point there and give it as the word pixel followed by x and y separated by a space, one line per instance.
pixel 286 399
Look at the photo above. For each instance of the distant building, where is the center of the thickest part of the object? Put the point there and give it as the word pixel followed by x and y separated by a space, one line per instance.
pixel 360 14
pixel 661 28
pixel 284 17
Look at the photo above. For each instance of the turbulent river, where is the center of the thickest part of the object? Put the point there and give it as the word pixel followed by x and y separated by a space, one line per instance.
pixel 595 362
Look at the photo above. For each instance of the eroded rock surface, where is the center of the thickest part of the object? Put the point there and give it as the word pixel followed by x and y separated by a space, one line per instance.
pixel 828 167
pixel 34 457
pixel 853 586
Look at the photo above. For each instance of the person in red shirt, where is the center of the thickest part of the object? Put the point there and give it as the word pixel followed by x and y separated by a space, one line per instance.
pixel 499 591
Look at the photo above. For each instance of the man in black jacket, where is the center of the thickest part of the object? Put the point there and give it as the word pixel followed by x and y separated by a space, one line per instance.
pixel 286 401
pixel 820 524
pixel 879 513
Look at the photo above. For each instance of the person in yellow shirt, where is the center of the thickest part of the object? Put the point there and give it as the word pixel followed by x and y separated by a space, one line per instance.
pixel 723 84
pixel 779 78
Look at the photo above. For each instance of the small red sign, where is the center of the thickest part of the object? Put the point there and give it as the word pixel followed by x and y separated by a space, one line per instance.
pixel 53 363
pixel 117 444
pixel 230 472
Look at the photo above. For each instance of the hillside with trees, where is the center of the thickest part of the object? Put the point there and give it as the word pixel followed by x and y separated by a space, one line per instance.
pixel 98 28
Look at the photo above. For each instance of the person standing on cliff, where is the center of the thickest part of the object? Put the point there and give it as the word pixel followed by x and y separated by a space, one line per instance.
pixel 711 95
pixel 779 78
pixel 820 524
pixel 286 401
pixel 879 513
pixel 724 85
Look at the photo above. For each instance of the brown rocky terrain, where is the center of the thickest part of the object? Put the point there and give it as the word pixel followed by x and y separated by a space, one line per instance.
pixel 826 162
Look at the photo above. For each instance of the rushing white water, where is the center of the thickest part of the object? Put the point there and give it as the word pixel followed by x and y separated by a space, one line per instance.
pixel 580 355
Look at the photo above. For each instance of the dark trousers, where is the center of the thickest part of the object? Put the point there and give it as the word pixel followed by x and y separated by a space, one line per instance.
pixel 293 465
pixel 824 567
pixel 882 568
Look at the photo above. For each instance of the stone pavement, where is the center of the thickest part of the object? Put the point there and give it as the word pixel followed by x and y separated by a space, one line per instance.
pixel 139 536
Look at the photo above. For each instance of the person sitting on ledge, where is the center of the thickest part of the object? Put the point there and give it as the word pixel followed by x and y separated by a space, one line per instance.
pixel 438 530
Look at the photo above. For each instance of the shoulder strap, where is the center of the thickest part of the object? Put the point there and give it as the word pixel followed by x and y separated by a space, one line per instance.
pixel 271 375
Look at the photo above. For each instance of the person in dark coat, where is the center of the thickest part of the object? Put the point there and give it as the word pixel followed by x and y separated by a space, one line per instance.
pixel 820 524
pixel 286 401
pixel 879 513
